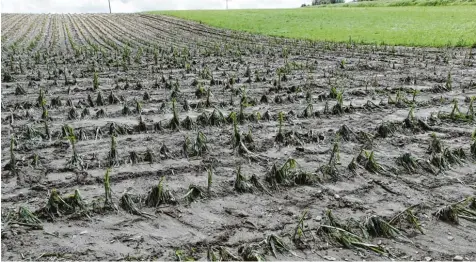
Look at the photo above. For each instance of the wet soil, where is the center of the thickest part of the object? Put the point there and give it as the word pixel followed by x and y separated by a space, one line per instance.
pixel 247 74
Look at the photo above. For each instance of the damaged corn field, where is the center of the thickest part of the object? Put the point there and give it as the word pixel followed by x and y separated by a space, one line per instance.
pixel 145 137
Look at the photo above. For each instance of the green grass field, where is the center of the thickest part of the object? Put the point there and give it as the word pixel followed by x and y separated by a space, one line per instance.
pixel 382 3
pixel 409 26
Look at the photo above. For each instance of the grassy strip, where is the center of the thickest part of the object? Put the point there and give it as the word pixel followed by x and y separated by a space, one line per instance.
pixel 397 3
pixel 405 26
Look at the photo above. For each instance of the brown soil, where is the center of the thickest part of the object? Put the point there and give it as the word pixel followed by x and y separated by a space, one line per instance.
pixel 377 85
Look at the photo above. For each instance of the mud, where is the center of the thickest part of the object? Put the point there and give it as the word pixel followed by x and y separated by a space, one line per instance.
pixel 237 71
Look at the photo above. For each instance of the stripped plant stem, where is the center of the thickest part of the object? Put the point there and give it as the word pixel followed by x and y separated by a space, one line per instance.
pixel 299 231
pixel 209 180
pixel 76 160
pixel 12 165
pixel 280 136
pixel 175 122
pixel 113 156
pixel 108 202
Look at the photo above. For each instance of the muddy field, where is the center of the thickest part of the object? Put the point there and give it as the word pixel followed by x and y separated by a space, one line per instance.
pixel 137 137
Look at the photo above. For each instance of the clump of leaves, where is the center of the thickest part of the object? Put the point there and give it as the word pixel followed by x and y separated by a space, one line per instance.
pixel 338 108
pixel 369 162
pixel 448 214
pixel 23 217
pixel 455 112
pixel 346 133
pixel 141 126
pixel 386 129
pixel 126 110
pixel 113 99
pixel 308 111
pixel 30 132
pixel 146 96
pixel 56 206
pixel 85 112
pixel 117 129
pixel 193 193
pixel 128 204
pixel 134 157
pixel 352 166
pixel 36 161
pixel 223 255
pixel 202 119
pixel 251 252
pixel 248 137
pixel 56 102
pixel 188 123
pixel 99 99
pixel 217 118
pixel 439 161
pixel 264 99
pixel 90 100
pixel 73 114
pixel 241 183
pixel 408 216
pixel 198 147
pixel 149 156
pixel 336 232
pixel 305 178
pixel 164 152
pixel 258 185
pixel 275 243
pixel 282 175
pixel 408 162
pixel 76 202
pixel 7 77
pixel 330 171
pixel 19 90
pixel 200 91
pixel 454 156
pixel 376 226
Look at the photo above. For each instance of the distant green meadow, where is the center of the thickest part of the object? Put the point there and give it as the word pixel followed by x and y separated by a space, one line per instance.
pixel 432 26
